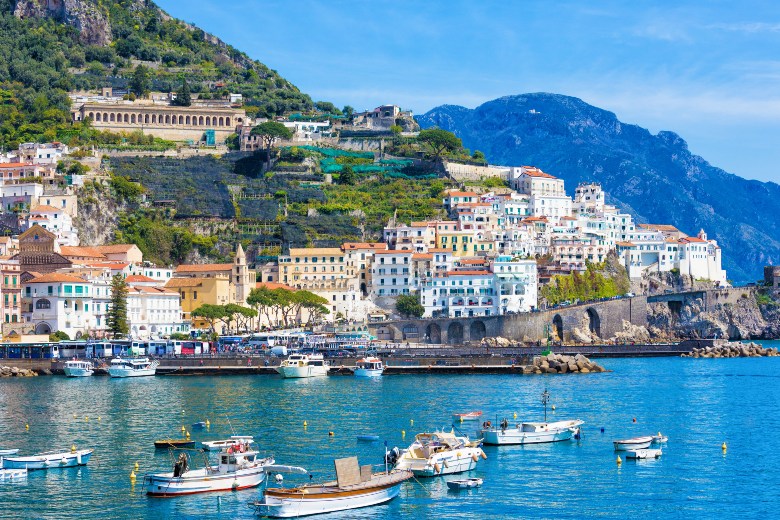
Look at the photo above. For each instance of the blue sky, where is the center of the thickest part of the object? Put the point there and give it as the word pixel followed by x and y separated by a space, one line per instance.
pixel 708 70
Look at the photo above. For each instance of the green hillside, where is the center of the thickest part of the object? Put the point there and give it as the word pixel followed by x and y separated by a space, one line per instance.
pixel 42 58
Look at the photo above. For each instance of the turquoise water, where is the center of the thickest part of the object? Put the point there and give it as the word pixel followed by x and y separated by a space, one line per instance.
pixel 699 404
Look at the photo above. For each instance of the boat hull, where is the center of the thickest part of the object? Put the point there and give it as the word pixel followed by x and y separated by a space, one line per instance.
pixel 447 463
pixel 4 453
pixel 368 372
pixel 648 453
pixel 129 372
pixel 49 461
pixel 632 445
pixel 302 372
pixel 78 372
pixel 278 507
pixel 166 485
pixel 498 437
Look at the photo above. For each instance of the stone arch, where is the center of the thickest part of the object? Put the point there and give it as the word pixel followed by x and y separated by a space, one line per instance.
pixel 181 120
pixel 146 119
pixel 126 118
pixel 43 328
pixel 187 120
pixel 433 334
pixel 132 118
pixel 477 330
pixel 410 331
pixel 208 120
pixel 455 333
pixel 105 117
pixel 221 122
pixel 113 116
pixel 154 119
pixel 200 120
pixel 386 333
pixel 594 321
pixel 167 119
pixel 43 303
pixel 91 116
pixel 558 326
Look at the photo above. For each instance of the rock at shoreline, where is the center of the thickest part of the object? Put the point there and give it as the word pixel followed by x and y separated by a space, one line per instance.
pixel 560 364
pixel 731 350
pixel 16 372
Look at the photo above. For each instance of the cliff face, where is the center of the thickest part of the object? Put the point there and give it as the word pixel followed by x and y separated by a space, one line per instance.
pixel 740 318
pixel 83 15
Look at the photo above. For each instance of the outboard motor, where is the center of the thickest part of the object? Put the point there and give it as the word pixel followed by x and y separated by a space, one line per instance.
pixel 392 456
pixel 180 467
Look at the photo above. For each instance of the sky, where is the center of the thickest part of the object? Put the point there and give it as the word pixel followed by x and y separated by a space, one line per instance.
pixel 707 70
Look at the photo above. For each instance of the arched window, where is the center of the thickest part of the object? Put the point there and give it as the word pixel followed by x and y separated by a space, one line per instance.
pixel 132 118
pixel 167 119
pixel 221 122
pixel 154 119
pixel 200 120
pixel 187 120
pixel 146 119
pixel 97 116
pixel 181 120
pixel 92 116
pixel 112 117
pixel 208 121
pixel 43 304
pixel 127 118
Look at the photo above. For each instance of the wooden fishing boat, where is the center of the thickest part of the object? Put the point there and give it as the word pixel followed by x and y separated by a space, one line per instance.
pixel 355 486
pixel 174 443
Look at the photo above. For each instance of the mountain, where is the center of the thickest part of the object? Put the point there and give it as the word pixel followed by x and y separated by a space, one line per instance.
pixel 49 48
pixel 653 177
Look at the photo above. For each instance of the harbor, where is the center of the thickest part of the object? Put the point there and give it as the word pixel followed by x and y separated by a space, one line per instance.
pixel 698 403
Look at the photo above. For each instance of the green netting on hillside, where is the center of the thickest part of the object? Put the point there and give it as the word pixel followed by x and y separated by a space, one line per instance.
pixel 332 152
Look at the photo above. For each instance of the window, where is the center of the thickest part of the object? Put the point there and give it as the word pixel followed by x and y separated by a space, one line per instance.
pixel 194 295
pixel 43 304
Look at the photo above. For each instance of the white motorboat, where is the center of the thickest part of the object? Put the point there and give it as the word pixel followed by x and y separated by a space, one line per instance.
pixel 465 483
pixel 635 443
pixel 10 475
pixel 646 453
pixel 369 367
pixel 468 416
pixel 75 368
pixel 355 486
pixel 4 453
pixel 439 453
pixel 660 439
pixel 238 467
pixel 224 443
pixel 48 460
pixel 303 365
pixel 132 367
pixel 529 432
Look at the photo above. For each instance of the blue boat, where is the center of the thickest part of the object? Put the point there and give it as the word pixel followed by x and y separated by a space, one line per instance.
pixel 368 438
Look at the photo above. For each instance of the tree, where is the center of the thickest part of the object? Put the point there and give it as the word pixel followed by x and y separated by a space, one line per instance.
pixel 270 132
pixel 347 176
pixel 348 112
pixel 210 313
pixel 117 311
pixel 183 98
pixel 478 156
pixel 409 306
pixel 240 314
pixel 313 303
pixel 140 84
pixel 439 141
pixel 59 336
pixel 261 299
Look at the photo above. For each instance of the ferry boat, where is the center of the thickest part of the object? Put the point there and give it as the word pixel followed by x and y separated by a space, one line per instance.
pixel 49 460
pixel 369 367
pixel 439 453
pixel 132 367
pixel 239 467
pixel 355 486
pixel 77 368
pixel 529 432
pixel 303 365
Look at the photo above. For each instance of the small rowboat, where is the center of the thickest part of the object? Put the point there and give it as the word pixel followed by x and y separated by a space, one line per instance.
pixel 649 453
pixel 465 483
pixel 49 460
pixel 3 453
pixel 470 416
pixel 174 443
pixel 368 438
pixel 635 443
pixel 13 474
pixel 660 439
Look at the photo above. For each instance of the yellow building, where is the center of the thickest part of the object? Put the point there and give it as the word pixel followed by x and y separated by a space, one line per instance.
pixel 197 291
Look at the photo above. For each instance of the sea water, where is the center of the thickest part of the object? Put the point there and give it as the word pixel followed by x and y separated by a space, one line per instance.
pixel 698 403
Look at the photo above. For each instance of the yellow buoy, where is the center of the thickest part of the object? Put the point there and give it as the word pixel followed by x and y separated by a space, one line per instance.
pixel 183 429
pixel 330 434
pixel 208 423
pixel 86 418
pixel 619 461
pixel 553 408
pixel 723 446
pixel 98 417
pixel 27 427
pixel 74 415
pixel 461 418
pixel 188 435
pixel 73 448
pixel 136 465
pixel 403 434
pixel 132 475
pixel 411 422
pixel 305 424
pixel 514 415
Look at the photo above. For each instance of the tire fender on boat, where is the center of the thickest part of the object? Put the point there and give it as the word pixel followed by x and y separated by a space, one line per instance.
pixel 474 457
pixel 482 453
pixel 436 468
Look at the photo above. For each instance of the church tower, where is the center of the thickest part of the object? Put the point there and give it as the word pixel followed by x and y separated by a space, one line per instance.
pixel 243 278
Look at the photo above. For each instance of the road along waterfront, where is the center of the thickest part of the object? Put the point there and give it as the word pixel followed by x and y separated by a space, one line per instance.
pixel 698 403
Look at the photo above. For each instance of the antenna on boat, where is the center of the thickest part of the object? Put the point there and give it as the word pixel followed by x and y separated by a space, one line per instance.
pixel 545 400
pixel 231 426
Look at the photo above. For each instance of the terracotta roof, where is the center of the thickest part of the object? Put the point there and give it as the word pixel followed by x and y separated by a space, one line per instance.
pixel 150 290
pixel 57 277
pixel 44 208
pixel 184 282
pixel 15 165
pixel 439 250
pixel 364 245
pixel 532 171
pixel 422 256
pixel 115 248
pixel 139 278
pixel 114 266
pixel 535 219
pixel 308 251
pixel 568 218
pixel 394 252
pixel 473 261
pixel 692 239
pixel 84 251
pixel 467 273
pixel 3 240
pixel 625 244
pixel 202 268
pixel 659 227
pixel 461 194
pixel 274 285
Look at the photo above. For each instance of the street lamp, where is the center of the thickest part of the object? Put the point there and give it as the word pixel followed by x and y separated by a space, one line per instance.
pixel 545 400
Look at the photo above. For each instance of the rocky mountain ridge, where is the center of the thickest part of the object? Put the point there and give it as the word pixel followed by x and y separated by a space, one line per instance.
pixel 654 177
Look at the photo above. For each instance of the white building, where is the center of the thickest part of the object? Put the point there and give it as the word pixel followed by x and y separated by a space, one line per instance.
pixel 153 311
pixel 59 301
pixel 56 220
pixel 42 153
pixel 391 273
pixel 516 283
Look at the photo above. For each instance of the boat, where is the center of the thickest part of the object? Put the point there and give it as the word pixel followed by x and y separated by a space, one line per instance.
pixel 13 474
pixel 238 467
pixel 660 439
pixel 132 367
pixel 3 453
pixel 635 443
pixel 233 440
pixel 529 432
pixel 174 443
pixel 369 367
pixel 75 368
pixel 368 438
pixel 465 483
pixel 49 460
pixel 303 365
pixel 439 453
pixel 469 416
pixel 646 453
pixel 355 486
pixel 199 425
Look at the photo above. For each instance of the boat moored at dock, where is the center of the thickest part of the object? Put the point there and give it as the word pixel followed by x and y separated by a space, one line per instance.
pixel 132 367
pixel 440 453
pixel 303 365
pixel 529 432
pixel 369 367
pixel 49 460
pixel 76 368
pixel 224 443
